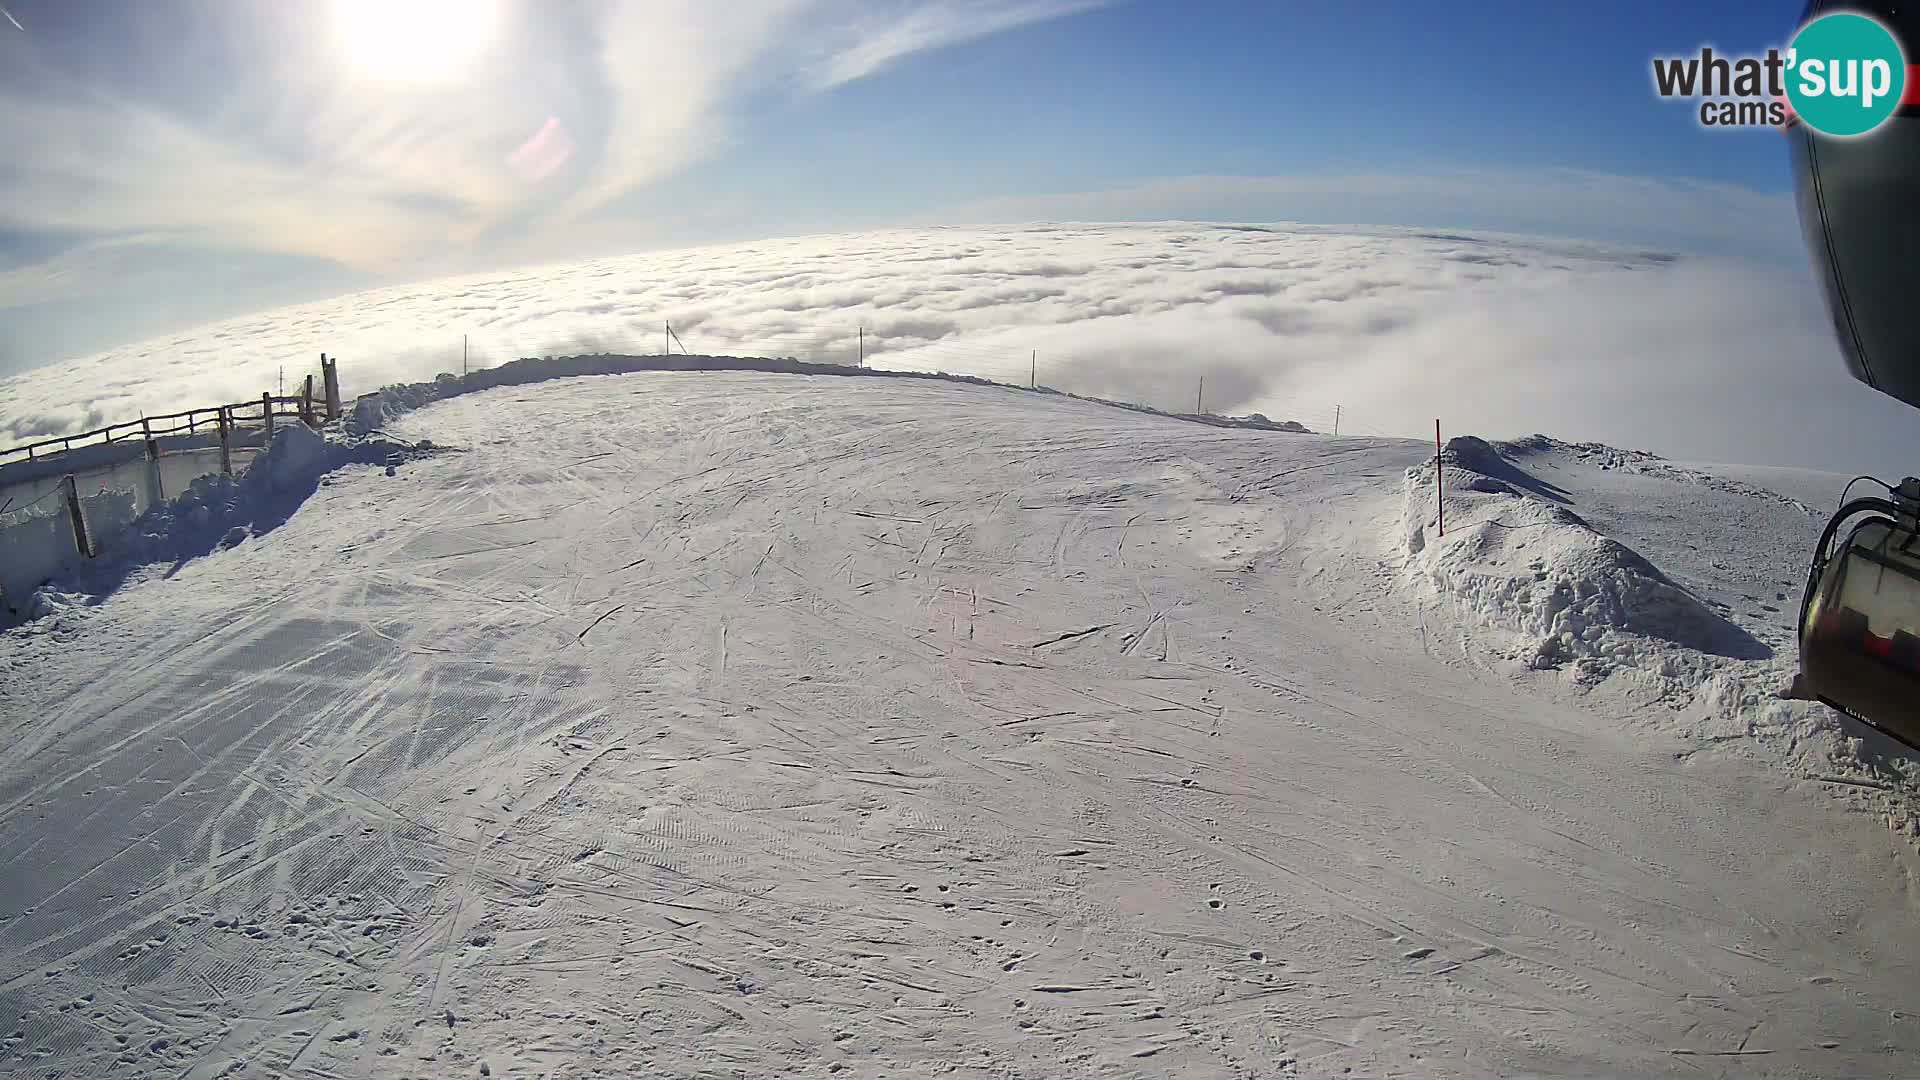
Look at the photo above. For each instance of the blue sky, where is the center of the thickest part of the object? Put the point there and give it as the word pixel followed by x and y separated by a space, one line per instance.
pixel 173 162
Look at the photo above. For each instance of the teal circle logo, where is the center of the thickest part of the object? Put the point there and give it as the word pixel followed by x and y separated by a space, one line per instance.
pixel 1845 74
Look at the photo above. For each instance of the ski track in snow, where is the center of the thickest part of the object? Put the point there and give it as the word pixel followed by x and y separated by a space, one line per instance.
pixel 739 724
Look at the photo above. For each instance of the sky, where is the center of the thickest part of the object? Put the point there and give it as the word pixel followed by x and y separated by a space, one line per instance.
pixel 194 159
pixel 201 160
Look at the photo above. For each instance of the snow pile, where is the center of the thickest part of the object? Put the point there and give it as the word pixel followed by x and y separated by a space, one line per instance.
pixel 1671 641
pixel 1537 570
pixel 216 512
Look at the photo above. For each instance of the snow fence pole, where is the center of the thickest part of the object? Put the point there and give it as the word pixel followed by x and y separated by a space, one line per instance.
pixel 1439 480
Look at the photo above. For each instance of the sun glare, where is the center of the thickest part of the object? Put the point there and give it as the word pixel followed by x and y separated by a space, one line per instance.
pixel 413 40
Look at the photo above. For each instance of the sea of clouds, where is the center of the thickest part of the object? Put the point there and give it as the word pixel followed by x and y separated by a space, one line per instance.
pixel 1699 358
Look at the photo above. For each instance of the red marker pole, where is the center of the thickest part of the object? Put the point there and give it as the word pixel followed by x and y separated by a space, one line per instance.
pixel 1439 480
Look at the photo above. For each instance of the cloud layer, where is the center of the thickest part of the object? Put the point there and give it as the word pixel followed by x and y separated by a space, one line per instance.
pixel 1497 335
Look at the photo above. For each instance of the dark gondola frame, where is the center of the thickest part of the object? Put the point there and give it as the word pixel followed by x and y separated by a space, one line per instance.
pixel 1860 614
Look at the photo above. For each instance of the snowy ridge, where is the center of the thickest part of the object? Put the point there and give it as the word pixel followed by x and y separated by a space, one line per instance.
pixel 372 410
pixel 1602 456
pixel 219 511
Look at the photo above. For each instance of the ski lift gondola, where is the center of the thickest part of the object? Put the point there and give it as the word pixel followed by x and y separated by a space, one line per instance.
pixel 1859 204
pixel 1860 614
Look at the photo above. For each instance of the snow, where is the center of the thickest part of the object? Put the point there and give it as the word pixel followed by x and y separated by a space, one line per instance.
pixel 740 723
pixel 215 511
pixel 1530 565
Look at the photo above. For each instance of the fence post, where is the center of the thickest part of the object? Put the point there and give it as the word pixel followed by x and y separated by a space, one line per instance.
pixel 80 538
pixel 330 370
pixel 226 442
pixel 156 492
pixel 306 402
pixel 1439 480
pixel 266 413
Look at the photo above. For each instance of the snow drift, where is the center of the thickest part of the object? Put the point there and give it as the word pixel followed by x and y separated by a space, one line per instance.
pixel 1518 558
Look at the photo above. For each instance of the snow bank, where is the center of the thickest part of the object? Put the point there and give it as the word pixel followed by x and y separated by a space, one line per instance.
pixel 214 512
pixel 1533 568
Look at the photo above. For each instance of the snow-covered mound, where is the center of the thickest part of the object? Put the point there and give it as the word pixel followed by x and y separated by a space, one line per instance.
pixel 1661 592
pixel 1527 564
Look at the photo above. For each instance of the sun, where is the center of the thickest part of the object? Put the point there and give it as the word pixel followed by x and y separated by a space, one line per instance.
pixel 413 40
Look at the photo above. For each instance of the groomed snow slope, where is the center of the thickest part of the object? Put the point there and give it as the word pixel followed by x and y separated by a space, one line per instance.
pixel 750 724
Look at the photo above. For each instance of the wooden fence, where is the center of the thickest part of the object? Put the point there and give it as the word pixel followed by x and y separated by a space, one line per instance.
pixel 312 406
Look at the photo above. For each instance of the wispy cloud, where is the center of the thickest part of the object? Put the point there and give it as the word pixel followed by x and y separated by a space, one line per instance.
pixel 283 144
pixel 886 33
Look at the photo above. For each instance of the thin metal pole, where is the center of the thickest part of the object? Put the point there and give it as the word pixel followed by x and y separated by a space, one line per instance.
pixel 1033 370
pixel 863 346
pixel 1200 396
pixel 1336 420
pixel 1439 480
pixel 463 356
